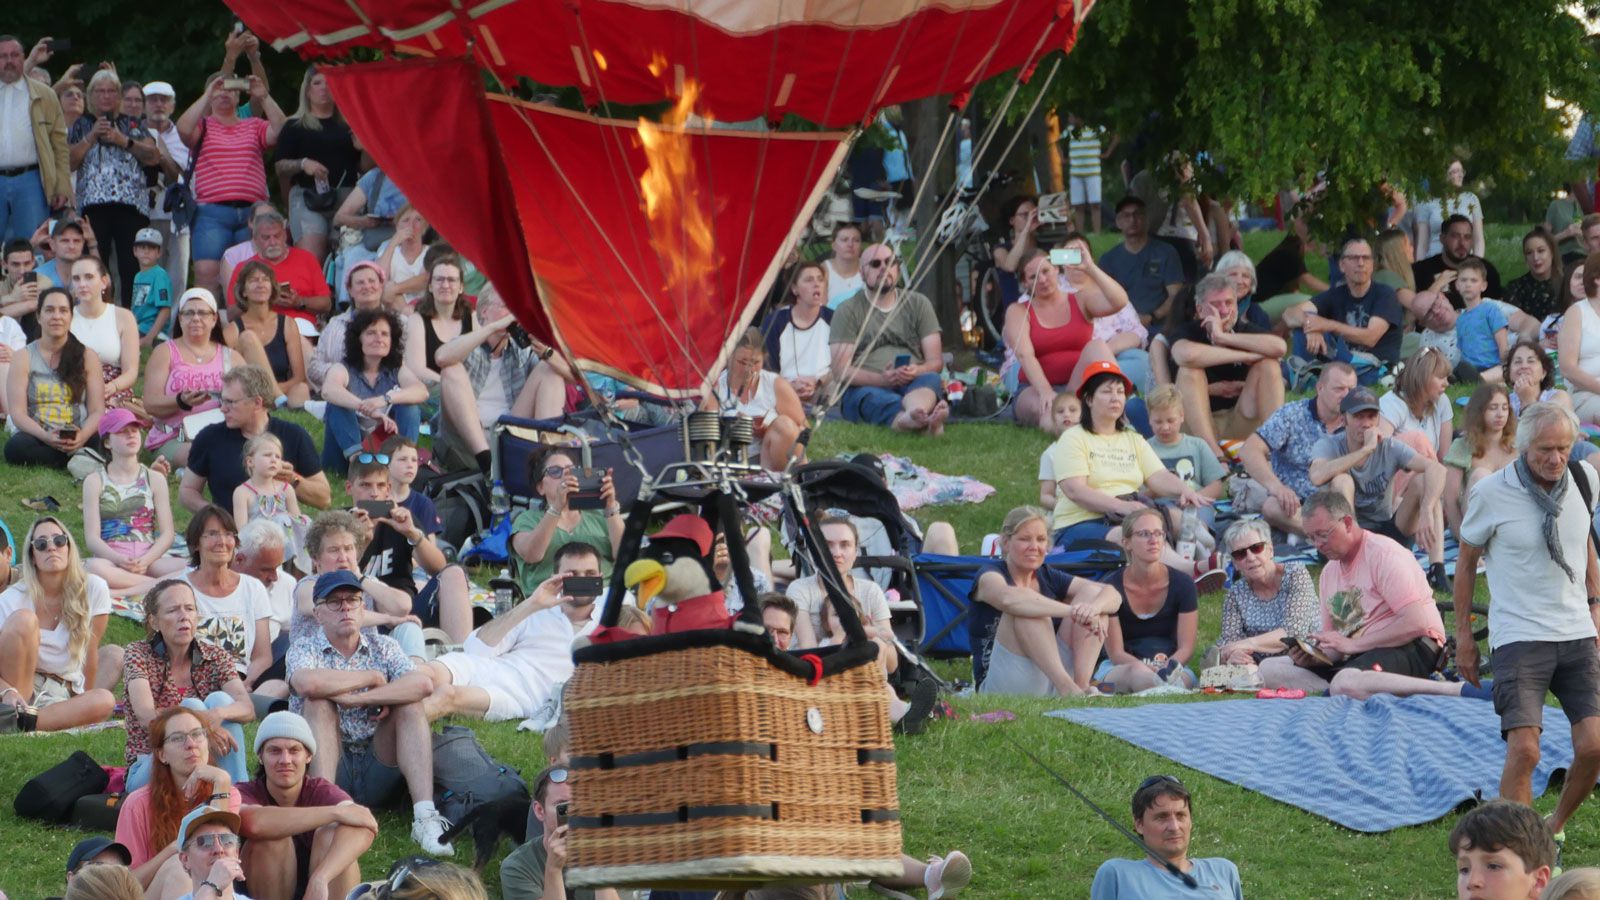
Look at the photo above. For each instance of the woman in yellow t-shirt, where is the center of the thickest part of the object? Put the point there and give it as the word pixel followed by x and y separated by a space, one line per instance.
pixel 1102 464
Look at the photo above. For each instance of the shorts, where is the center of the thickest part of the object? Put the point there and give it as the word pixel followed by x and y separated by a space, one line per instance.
pixel 48 690
pixel 1248 495
pixel 1418 658
pixel 366 779
pixel 304 221
pixel 1390 530
pixel 511 694
pixel 1525 670
pixel 1013 673
pixel 1586 405
pixel 218 226
pixel 1085 189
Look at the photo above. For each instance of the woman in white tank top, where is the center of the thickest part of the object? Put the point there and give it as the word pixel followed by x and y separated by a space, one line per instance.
pixel 748 387
pixel 110 331
pixel 1578 345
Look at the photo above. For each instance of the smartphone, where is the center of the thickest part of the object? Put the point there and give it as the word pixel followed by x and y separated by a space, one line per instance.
pixel 284 288
pixel 903 359
pixel 238 26
pixel 587 496
pixel 58 45
pixel 561 813
pixel 582 585
pixel 1066 256
pixel 70 433
pixel 236 84
pixel 376 509
pixel 30 277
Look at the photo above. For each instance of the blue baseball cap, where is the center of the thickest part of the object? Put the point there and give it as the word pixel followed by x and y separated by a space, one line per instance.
pixel 328 582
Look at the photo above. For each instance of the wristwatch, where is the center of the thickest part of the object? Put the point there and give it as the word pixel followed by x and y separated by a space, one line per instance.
pixel 1594 601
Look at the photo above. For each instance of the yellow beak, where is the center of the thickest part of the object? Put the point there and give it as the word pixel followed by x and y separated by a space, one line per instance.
pixel 646 578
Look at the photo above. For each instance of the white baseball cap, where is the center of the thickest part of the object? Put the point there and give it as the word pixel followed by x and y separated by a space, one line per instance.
pixel 159 89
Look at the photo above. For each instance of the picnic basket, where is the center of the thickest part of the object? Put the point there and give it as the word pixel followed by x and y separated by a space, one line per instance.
pixel 710 759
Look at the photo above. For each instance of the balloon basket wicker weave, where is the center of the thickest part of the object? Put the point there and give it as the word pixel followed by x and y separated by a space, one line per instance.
pixel 719 765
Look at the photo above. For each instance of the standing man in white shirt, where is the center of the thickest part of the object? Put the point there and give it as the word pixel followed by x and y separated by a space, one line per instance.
pixel 34 175
pixel 159 101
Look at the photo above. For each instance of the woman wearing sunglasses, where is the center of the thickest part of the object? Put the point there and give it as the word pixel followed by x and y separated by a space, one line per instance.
pixel 50 654
pixel 181 778
pixel 538 533
pixel 421 878
pixel 1267 603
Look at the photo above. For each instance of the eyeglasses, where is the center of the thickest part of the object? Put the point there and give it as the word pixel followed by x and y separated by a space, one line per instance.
pixel 558 471
pixel 196 314
pixel 367 459
pixel 1154 780
pixel 446 279
pixel 1242 552
pixel 1319 537
pixel 179 738
pixel 224 839
pixel 1150 534
pixel 233 401
pixel 41 544
pixel 341 601
pixel 1357 257
pixel 214 536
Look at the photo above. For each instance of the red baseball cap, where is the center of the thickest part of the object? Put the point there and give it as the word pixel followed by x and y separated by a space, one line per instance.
pixel 689 527
pixel 1103 367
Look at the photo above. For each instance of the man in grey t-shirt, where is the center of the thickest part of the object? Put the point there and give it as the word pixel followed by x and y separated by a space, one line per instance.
pixel 1362 464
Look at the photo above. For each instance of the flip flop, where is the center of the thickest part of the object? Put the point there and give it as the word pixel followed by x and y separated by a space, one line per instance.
pixel 1281 694
pixel 42 504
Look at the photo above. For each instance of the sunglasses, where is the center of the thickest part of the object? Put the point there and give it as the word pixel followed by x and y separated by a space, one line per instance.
pixel 880 263
pixel 1154 780
pixel 367 459
pixel 1242 552
pixel 41 544
pixel 398 876
pixel 558 471
pixel 215 839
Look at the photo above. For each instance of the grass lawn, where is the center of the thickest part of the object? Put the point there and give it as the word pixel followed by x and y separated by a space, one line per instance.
pixel 961 786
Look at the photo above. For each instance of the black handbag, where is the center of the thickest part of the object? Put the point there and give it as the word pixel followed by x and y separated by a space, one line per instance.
pixel 54 793
pixel 179 201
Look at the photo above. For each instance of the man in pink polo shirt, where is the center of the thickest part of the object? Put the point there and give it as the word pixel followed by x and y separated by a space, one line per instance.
pixel 1401 632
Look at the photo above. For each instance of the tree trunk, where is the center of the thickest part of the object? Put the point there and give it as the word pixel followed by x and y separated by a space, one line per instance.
pixel 924 122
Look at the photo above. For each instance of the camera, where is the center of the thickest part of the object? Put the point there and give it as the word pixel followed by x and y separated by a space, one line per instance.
pixel 519 335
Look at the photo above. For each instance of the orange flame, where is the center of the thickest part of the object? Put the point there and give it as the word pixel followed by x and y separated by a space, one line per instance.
pixel 677 214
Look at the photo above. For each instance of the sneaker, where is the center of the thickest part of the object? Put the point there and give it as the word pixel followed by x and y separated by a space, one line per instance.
pixel 427 831
pixel 1210 582
pixel 17 718
pixel 1438 580
pixel 946 877
pixel 1561 844
pixel 318 408
pixel 924 694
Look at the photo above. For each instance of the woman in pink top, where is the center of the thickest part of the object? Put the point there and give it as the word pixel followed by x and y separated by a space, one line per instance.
pixel 229 174
pixel 184 376
pixel 181 778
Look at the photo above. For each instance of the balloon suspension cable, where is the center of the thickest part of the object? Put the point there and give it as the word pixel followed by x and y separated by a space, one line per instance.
pixel 1188 880
pixel 925 260
pixel 835 391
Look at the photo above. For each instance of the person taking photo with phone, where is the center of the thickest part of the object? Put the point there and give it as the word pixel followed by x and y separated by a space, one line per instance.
pixel 513 666
pixel 1051 330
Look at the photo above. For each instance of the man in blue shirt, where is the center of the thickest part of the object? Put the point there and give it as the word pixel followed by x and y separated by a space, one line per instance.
pixel 1278 456
pixel 1358 315
pixel 1162 817
pixel 1148 270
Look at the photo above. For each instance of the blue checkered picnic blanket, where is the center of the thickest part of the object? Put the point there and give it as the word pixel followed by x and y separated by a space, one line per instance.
pixel 1371 766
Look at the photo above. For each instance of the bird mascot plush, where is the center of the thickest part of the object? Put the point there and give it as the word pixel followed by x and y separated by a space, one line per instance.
pixel 675 571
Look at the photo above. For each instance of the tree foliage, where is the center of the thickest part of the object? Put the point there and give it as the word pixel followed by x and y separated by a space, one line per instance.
pixel 1278 92
pixel 179 41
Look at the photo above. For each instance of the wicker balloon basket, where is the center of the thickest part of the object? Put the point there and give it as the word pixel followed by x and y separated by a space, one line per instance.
pixel 710 759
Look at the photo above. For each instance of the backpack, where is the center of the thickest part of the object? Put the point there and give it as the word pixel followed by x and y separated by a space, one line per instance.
pixel 52 794
pixel 462 501
pixel 465 776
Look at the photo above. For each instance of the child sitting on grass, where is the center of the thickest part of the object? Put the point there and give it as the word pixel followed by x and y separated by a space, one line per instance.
pixel 127 512
pixel 1481 327
pixel 1189 458
pixel 1065 412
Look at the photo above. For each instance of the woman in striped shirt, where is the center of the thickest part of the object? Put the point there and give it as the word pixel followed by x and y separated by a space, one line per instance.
pixel 229 174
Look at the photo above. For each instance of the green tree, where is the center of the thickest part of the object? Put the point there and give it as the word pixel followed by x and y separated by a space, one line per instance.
pixel 179 41
pixel 1278 92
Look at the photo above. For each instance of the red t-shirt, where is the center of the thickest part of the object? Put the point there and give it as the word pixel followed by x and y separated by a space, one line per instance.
pixel 303 273
pixel 230 166
pixel 315 792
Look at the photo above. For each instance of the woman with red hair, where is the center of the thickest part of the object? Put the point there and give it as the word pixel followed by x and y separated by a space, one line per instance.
pixel 181 778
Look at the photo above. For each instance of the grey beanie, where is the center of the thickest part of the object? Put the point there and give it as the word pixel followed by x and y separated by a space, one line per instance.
pixel 285 724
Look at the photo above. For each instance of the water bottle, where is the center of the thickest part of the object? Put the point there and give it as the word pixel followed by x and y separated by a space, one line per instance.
pixel 505 592
pixel 1188 532
pixel 499 500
